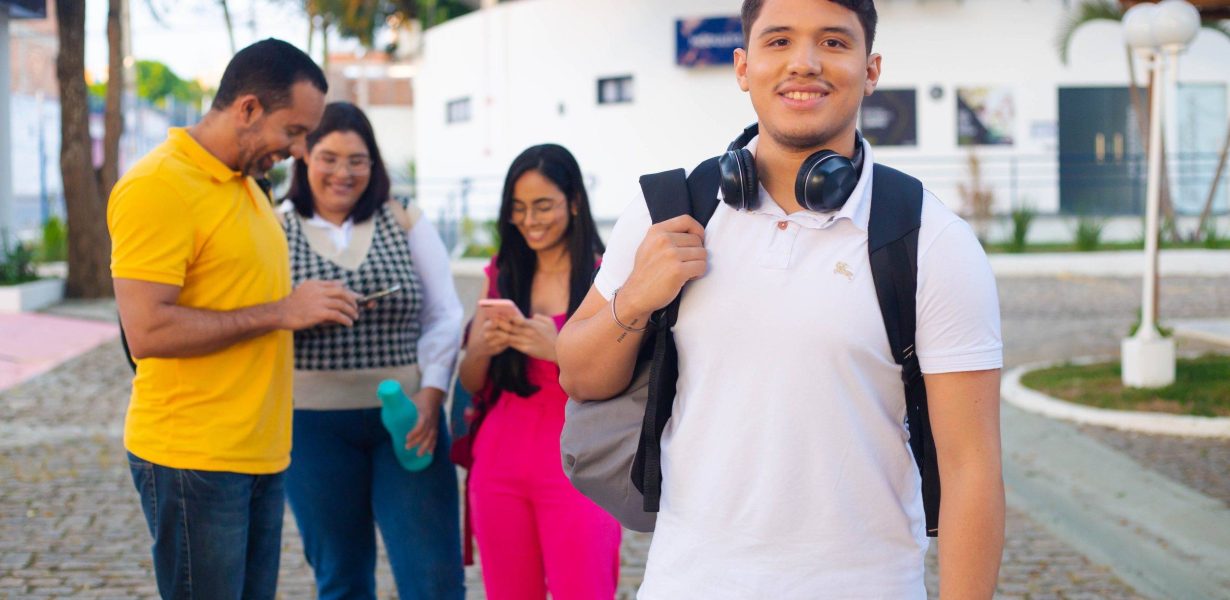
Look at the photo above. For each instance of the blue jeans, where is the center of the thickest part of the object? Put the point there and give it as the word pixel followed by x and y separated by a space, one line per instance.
pixel 344 479
pixel 217 535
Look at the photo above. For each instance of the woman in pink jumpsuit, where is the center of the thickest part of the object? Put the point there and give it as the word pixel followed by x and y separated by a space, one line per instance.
pixel 535 532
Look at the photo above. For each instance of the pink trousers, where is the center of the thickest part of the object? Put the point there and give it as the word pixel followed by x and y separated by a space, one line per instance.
pixel 535 532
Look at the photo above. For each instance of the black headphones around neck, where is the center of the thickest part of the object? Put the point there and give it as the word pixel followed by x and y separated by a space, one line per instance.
pixel 824 183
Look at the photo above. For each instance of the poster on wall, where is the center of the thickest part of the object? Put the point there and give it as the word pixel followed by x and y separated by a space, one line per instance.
pixel 707 42
pixel 986 116
pixel 890 118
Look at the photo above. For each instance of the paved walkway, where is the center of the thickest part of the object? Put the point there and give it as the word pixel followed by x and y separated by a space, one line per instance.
pixel 70 525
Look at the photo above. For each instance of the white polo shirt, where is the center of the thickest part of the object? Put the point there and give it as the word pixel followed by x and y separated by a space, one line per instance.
pixel 786 466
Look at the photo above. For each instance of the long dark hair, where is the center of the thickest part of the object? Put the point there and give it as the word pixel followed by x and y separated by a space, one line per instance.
pixel 342 116
pixel 517 262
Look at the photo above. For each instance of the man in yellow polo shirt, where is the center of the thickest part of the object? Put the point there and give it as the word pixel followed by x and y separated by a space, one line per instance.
pixel 202 281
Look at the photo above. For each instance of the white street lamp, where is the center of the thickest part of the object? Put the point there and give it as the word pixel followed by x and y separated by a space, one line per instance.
pixel 1150 29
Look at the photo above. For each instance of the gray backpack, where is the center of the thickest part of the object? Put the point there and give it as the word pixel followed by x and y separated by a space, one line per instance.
pixel 611 449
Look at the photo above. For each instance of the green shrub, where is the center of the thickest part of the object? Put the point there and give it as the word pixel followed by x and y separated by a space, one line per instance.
pixel 1022 218
pixel 18 266
pixel 55 241
pixel 475 248
pixel 1213 238
pixel 1089 234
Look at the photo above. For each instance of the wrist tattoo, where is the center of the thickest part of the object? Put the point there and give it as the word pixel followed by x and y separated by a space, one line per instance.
pixel 624 333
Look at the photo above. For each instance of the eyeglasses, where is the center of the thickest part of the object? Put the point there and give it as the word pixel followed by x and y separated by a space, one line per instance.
pixel 332 163
pixel 539 209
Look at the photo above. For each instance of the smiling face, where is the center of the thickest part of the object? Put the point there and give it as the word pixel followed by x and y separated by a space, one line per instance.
pixel 540 211
pixel 807 69
pixel 339 169
pixel 267 137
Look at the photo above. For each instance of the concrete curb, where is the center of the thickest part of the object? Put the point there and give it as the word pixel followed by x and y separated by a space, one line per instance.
pixel 1036 402
pixel 1118 263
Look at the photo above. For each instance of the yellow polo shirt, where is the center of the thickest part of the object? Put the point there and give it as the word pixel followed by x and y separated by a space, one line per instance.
pixel 181 217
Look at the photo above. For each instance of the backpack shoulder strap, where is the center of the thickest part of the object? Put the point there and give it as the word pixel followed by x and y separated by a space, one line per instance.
pixel 668 195
pixel 702 190
pixel 892 243
pixel 672 193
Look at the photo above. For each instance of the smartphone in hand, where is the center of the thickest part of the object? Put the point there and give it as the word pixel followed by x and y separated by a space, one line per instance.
pixel 380 294
pixel 501 309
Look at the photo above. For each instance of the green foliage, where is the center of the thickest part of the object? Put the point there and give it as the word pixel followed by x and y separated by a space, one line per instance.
pixel 475 248
pixel 1201 387
pixel 277 175
pixel 155 83
pixel 1162 331
pixel 1212 238
pixel 360 19
pixel 1084 13
pixel 1022 218
pixel 55 241
pixel 1089 234
pixel 18 265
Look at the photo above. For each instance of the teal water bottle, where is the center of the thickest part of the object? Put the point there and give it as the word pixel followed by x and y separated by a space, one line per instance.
pixel 399 416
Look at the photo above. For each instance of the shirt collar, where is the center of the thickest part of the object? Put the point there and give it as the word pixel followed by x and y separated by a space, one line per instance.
pixel 856 209
pixel 322 223
pixel 200 156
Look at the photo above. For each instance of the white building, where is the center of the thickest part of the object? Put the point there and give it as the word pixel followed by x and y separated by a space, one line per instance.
pixel 602 78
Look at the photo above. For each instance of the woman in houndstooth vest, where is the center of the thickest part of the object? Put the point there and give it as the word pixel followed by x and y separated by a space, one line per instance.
pixel 535 532
pixel 344 477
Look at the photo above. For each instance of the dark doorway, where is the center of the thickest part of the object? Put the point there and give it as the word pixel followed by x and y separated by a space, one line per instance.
pixel 1101 160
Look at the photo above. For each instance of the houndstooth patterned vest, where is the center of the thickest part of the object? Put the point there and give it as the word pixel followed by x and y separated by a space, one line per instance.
pixel 384 336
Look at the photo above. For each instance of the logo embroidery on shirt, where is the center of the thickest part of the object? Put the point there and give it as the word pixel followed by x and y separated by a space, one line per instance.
pixel 844 269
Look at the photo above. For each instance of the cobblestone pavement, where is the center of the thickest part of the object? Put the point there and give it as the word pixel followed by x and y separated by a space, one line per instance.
pixel 70 524
pixel 1199 463
pixel 1048 319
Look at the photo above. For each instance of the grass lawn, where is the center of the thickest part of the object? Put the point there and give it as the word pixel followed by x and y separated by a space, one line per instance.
pixel 1201 387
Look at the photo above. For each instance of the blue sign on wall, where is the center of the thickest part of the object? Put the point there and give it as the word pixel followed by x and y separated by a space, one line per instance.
pixel 24 9
pixel 705 42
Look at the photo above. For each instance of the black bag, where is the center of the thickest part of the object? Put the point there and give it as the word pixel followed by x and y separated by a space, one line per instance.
pixel 597 443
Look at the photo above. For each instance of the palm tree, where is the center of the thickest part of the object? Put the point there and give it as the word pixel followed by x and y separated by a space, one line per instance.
pixel 1089 11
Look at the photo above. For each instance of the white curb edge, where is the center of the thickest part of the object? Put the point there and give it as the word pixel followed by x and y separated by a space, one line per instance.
pixel 1034 401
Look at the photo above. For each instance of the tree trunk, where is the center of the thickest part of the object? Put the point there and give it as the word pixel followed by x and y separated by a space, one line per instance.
pixel 230 28
pixel 113 115
pixel 1208 202
pixel 89 246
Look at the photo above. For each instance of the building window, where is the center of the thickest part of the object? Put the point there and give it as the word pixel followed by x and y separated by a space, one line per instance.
pixel 457 111
pixel 615 90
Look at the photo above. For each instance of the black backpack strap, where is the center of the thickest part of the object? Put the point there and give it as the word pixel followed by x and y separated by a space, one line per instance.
pixel 892 243
pixel 668 195
pixel 124 344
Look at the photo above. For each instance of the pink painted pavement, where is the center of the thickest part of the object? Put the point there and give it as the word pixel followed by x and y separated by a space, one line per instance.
pixel 33 343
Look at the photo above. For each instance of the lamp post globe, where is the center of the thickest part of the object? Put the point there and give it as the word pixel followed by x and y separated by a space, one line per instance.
pixel 1138 26
pixel 1175 23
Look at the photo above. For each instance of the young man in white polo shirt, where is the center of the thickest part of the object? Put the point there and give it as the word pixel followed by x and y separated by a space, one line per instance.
pixel 786 467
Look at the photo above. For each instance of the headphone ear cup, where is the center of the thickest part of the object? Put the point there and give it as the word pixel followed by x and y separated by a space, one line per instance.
pixel 751 186
pixel 738 175
pixel 825 181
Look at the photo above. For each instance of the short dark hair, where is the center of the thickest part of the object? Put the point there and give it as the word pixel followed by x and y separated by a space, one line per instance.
pixel 268 69
pixel 865 9
pixel 343 116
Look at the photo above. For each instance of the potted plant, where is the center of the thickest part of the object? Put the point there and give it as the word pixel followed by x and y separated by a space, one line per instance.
pixel 21 289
